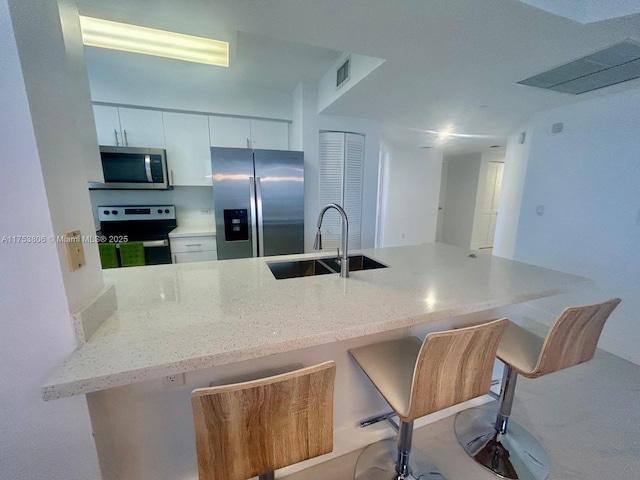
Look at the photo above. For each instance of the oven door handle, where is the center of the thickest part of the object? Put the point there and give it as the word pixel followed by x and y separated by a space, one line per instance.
pixel 147 167
pixel 156 243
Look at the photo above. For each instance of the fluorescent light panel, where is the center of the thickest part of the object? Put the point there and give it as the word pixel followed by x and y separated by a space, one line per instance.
pixel 149 41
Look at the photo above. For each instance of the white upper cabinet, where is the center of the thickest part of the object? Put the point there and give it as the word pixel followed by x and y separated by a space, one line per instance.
pixel 107 125
pixel 128 127
pixel 248 133
pixel 187 143
pixel 269 135
pixel 229 132
pixel 141 128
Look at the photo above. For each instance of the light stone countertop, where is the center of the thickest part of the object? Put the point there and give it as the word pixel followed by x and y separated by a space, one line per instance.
pixel 184 317
pixel 192 231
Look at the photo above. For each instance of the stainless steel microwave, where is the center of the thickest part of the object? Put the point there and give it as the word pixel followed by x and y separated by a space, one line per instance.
pixel 129 168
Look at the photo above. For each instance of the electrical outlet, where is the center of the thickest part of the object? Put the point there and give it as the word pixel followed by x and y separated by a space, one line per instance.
pixel 174 380
pixel 540 210
pixel 205 211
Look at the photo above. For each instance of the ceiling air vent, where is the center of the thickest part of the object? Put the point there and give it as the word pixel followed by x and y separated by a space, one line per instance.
pixel 342 74
pixel 615 64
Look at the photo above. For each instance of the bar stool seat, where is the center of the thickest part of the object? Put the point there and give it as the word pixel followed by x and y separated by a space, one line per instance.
pixel 491 438
pixel 418 378
pixel 252 428
pixel 389 366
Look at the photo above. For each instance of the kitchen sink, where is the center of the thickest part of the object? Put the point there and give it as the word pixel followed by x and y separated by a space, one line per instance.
pixel 356 262
pixel 320 266
pixel 299 268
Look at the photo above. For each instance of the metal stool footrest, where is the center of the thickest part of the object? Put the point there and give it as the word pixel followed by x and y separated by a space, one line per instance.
pixel 512 455
pixel 378 462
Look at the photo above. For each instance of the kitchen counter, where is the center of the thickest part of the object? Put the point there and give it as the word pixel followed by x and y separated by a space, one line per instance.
pixel 179 318
pixel 192 231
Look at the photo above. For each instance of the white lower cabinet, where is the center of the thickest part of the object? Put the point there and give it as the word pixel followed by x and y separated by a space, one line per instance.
pixel 193 249
pixel 195 257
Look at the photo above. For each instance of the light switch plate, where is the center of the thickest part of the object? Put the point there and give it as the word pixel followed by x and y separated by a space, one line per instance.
pixel 75 250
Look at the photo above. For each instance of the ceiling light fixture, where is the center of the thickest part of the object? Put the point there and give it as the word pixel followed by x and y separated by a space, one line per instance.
pixel 444 134
pixel 149 41
pixel 450 134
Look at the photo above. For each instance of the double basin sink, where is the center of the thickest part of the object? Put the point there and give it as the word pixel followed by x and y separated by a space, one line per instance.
pixel 320 266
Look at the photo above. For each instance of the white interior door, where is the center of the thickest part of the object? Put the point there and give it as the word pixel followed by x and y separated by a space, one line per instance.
pixel 488 219
pixel 341 170
pixel 443 195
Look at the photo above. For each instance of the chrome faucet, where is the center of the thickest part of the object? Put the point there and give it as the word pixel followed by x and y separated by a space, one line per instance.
pixel 317 244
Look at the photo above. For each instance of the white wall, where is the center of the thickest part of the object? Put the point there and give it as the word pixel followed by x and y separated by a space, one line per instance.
pixel 39 440
pixel 83 111
pixel 515 171
pixel 588 180
pixel 360 66
pixel 413 190
pixel 115 86
pixel 56 121
pixel 460 202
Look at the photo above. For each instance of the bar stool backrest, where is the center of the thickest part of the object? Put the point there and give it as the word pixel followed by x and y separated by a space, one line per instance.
pixel 454 366
pixel 248 429
pixel 573 338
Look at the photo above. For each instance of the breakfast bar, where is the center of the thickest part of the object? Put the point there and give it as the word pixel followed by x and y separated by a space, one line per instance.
pixel 185 326
pixel 179 318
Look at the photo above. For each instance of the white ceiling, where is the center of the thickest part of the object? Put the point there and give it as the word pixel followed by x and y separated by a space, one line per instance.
pixel 448 62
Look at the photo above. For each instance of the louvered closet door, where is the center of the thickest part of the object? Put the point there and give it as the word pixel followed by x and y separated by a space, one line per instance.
pixel 341 166
pixel 352 194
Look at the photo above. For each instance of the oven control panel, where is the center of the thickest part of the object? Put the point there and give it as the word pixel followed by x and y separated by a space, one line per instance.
pixel 110 213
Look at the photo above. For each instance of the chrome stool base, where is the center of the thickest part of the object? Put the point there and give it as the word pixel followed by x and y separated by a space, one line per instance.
pixel 513 455
pixel 378 462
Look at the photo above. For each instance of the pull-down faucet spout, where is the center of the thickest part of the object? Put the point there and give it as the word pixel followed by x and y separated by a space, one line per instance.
pixel 317 244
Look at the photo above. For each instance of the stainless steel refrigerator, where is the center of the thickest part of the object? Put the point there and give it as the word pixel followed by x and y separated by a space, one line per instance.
pixel 258 198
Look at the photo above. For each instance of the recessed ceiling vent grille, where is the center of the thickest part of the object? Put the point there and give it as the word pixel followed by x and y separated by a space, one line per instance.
pixel 615 64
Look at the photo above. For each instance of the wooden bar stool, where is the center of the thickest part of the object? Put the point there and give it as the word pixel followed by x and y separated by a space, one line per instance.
pixel 418 378
pixel 253 428
pixel 503 446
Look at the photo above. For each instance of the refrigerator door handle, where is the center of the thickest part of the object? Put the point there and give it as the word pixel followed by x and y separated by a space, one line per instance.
pixel 260 219
pixel 254 229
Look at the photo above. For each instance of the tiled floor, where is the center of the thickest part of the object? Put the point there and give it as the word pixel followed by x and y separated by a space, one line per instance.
pixel 587 417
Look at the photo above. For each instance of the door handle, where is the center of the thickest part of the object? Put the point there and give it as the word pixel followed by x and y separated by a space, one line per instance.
pixel 260 218
pixel 147 168
pixel 254 229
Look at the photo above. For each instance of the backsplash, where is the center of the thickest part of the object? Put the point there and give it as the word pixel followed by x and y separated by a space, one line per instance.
pixel 189 202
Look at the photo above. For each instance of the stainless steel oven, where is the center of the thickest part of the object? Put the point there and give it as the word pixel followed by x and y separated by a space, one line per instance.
pixel 129 168
pixel 149 224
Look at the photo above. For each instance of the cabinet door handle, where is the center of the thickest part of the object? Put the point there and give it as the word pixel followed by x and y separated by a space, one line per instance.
pixel 115 132
pixel 248 143
pixel 174 259
pixel 193 245
pixel 126 140
pixel 171 174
